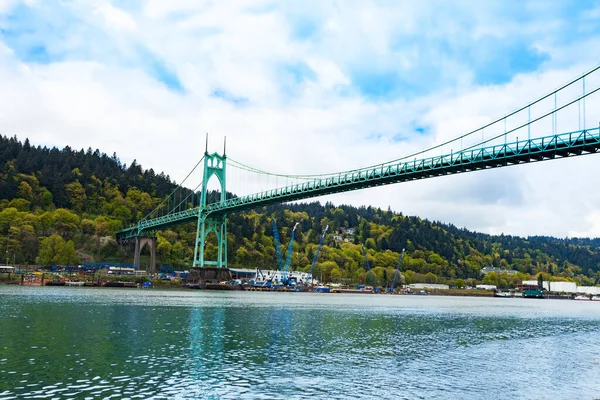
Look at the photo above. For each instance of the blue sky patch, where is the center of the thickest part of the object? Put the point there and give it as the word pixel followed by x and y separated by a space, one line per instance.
pixel 300 72
pixel 446 43
pixel 496 61
pixel 45 34
pixel 31 34
pixel 304 28
pixel 416 130
pixel 159 70
pixel 381 85
pixel 225 95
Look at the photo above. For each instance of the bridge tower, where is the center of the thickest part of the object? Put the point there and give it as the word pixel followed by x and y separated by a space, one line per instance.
pixel 214 164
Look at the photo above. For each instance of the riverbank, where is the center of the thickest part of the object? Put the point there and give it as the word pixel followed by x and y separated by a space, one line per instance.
pixel 149 282
pixel 49 279
pixel 138 281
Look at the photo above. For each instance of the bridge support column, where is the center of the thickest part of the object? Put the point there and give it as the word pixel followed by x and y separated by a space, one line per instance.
pixel 140 242
pixel 214 165
pixel 217 225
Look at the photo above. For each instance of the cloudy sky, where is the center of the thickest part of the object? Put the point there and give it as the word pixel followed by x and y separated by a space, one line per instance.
pixel 310 87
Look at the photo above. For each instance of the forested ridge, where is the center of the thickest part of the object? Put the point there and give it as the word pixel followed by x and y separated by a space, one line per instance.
pixel 62 206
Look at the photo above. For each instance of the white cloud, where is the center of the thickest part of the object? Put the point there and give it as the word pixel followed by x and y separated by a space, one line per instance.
pixel 321 124
pixel 7 4
pixel 115 17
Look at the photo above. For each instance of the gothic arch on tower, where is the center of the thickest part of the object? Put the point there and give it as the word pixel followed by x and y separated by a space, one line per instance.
pixel 214 165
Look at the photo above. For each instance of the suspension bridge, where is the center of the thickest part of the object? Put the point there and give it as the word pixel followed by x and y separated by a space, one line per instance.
pixel 563 123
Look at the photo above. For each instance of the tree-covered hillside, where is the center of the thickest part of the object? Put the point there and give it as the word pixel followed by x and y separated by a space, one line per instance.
pixel 64 206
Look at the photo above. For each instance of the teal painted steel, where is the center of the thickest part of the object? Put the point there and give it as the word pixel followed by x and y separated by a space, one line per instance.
pixel 214 165
pixel 563 145
pixel 521 152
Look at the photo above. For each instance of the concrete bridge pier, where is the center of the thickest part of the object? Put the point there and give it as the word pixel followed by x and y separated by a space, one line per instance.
pixel 140 242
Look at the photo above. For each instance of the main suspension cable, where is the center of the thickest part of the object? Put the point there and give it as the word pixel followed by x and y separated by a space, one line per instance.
pixel 421 152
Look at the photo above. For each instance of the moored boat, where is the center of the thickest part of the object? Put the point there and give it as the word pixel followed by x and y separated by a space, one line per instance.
pixel 231 285
pixel 74 283
pixel 321 289
pixel 120 284
pixel 533 294
pixel 55 283
pixel 355 291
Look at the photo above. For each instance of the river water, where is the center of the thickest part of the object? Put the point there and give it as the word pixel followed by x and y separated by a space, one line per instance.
pixel 135 343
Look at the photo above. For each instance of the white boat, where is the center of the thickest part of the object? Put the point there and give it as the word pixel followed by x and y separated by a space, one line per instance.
pixel 596 298
pixel 580 297
pixel 70 283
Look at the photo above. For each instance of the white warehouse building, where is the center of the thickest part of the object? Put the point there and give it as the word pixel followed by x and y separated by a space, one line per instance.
pixel 566 287
pixel 591 290
pixel 428 286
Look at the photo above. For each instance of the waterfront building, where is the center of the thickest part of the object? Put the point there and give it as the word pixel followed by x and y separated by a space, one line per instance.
pixel 428 286
pixel 557 287
pixel 589 290
pixel 486 287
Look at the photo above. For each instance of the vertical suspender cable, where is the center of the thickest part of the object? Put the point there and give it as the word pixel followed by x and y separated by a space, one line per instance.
pixel 579 114
pixel 584 124
pixel 555 116
pixel 528 122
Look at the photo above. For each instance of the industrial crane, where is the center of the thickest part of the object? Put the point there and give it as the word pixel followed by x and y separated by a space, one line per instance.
pixel 267 282
pixel 277 246
pixel 316 257
pixel 288 259
pixel 370 273
pixel 391 288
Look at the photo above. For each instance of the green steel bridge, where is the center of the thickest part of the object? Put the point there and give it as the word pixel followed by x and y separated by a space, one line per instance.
pixel 489 152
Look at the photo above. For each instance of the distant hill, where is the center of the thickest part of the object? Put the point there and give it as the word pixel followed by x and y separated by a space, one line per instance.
pixel 85 196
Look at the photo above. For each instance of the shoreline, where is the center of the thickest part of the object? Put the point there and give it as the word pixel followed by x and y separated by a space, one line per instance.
pixel 446 293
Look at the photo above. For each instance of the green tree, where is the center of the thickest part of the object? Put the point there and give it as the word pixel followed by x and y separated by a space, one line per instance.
pixel 122 213
pixel 491 278
pixel 25 191
pixel 19 204
pixel 54 250
pixel 370 244
pixel 76 196
pixel 431 278
pixel 335 275
pixel 66 223
pixel 363 230
pixel 87 226
pixel 101 226
pixel 47 200
pixel 163 249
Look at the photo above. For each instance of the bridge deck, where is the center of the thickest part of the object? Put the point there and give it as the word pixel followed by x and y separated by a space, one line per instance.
pixel 524 151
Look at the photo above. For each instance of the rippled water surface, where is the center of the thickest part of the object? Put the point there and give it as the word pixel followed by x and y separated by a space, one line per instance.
pixel 132 343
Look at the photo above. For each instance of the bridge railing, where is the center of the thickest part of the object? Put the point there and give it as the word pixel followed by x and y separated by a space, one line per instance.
pixel 528 150
pixel 495 155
